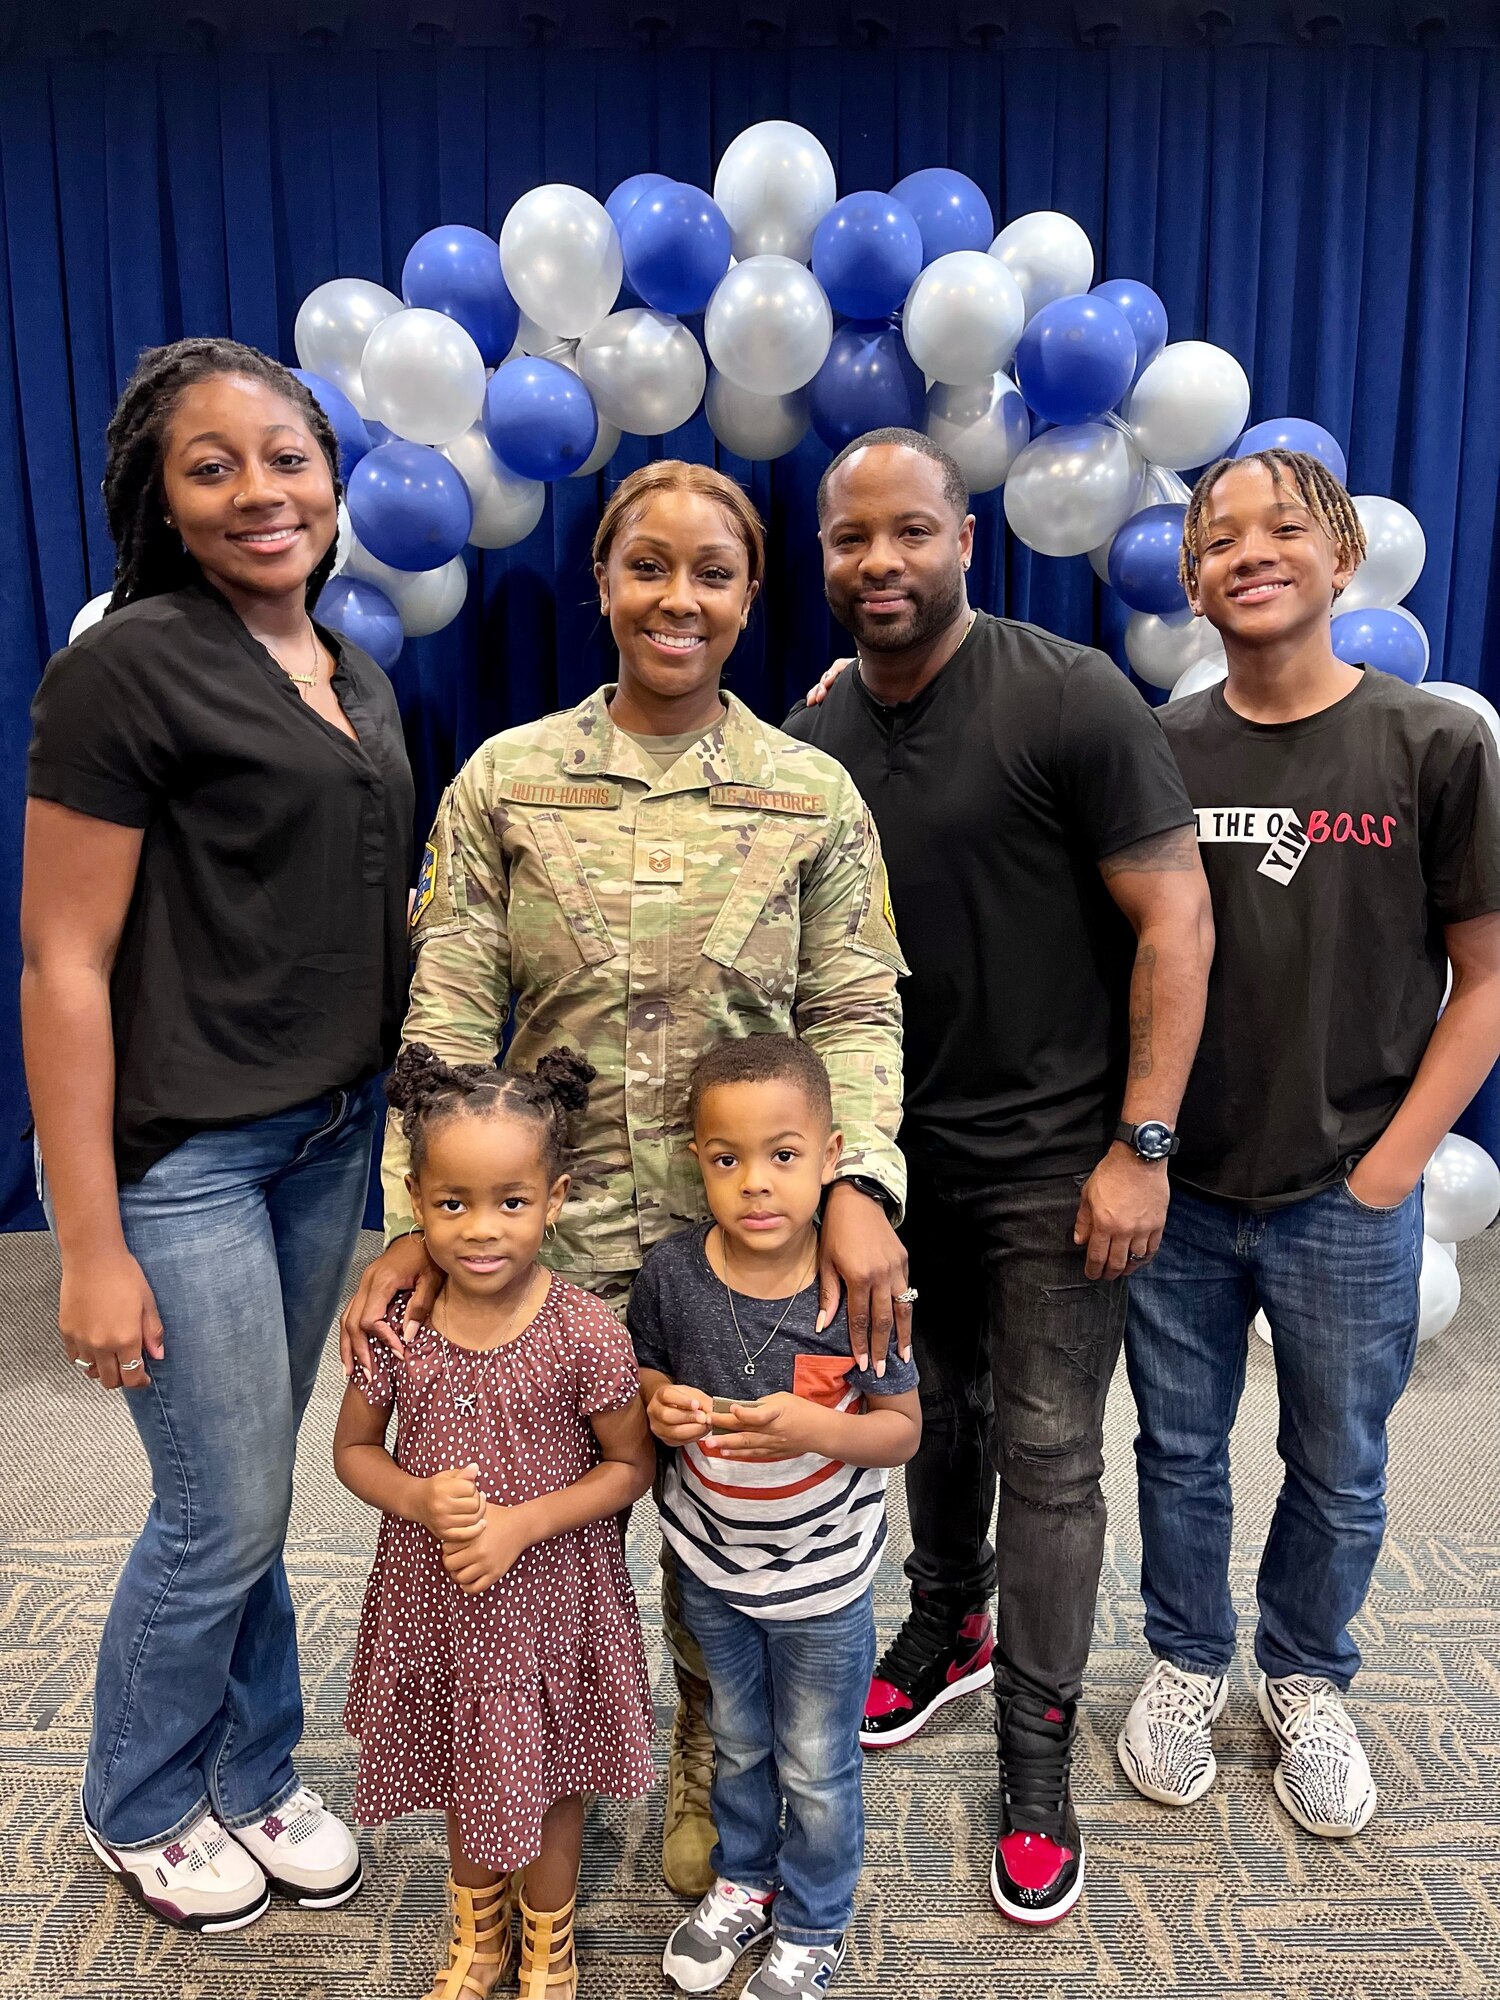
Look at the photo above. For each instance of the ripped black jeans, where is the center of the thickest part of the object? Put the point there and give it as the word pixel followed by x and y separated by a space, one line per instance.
pixel 1016 1348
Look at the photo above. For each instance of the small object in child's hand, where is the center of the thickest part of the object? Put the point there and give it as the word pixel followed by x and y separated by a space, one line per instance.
pixel 724 1406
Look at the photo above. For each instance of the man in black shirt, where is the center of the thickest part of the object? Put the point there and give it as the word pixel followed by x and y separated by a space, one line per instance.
pixel 1049 898
pixel 1350 826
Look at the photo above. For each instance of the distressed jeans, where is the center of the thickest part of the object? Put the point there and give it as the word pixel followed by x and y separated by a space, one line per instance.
pixel 1016 1348
pixel 245 1235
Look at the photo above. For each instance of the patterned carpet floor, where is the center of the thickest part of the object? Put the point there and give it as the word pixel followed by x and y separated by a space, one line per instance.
pixel 1227 1898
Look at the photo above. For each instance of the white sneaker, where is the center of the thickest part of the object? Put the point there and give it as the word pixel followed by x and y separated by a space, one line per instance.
pixel 306 1852
pixel 1165 1747
pixel 705 1947
pixel 1322 1776
pixel 201 1881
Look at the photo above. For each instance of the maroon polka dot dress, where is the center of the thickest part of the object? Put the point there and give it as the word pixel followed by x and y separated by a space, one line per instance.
pixel 496 1705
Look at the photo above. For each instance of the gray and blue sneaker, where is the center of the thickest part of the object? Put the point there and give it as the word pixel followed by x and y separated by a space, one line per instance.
pixel 705 1947
pixel 795 1972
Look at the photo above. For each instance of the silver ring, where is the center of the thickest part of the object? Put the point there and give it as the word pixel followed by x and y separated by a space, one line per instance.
pixel 1136 1256
pixel 906 1298
pixel 126 1366
pixel 79 1362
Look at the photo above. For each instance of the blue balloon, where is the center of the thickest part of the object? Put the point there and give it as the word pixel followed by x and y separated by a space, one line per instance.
pixel 628 193
pixel 868 381
pixel 456 270
pixel 1076 359
pixel 539 418
pixel 1295 434
pixel 349 430
pixel 1382 639
pixel 866 253
pixel 364 614
pixel 676 245
pixel 409 506
pixel 1144 310
pixel 950 211
pixel 1143 561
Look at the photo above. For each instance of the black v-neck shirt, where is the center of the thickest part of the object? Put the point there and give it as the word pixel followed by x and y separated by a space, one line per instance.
pixel 997 792
pixel 263 960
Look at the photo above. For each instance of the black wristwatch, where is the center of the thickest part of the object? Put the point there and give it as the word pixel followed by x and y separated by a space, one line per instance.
pixel 873 1189
pixel 1150 1141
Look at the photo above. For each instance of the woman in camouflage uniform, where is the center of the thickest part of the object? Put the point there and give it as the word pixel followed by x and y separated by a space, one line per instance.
pixel 639 877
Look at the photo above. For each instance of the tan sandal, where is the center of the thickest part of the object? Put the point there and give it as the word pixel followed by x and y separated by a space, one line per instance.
pixel 549 1969
pixel 481 1949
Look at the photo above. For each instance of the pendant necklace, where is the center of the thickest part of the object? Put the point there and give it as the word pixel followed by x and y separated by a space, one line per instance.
pixel 302 680
pixel 751 1359
pixel 466 1401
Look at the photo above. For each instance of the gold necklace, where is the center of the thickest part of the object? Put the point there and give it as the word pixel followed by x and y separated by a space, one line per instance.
pixel 859 658
pixel 302 680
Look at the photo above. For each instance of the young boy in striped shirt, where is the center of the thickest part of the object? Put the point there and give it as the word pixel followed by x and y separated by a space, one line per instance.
pixel 774 1501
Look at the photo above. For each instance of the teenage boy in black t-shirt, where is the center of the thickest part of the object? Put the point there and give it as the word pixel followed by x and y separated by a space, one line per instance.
pixel 1350 826
pixel 1050 901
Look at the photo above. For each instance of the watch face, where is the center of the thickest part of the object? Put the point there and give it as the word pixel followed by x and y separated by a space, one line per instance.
pixel 1153 1140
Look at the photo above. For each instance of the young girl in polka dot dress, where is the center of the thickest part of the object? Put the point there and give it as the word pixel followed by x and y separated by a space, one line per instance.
pixel 499 1673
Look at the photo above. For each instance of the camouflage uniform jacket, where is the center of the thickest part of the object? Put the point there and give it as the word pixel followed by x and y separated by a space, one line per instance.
pixel 639 917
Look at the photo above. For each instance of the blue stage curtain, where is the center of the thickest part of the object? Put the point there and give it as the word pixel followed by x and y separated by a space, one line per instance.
pixel 1330 216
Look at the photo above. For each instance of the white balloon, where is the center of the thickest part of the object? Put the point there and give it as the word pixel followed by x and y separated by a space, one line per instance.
pixel 537 341
pixel 1189 405
pixel 1205 672
pixel 963 317
pixel 1260 1326
pixel 1049 256
pixel 344 543
pixel 561 258
pixel 768 326
pixel 775 184
pixel 1072 487
pixel 333 324
pixel 1159 488
pixel 425 599
pixel 982 427
pixel 1460 1190
pixel 1449 1249
pixel 1395 550
pixel 1439 1290
pixel 93 611
pixel 1161 653
pixel 752 426
pixel 606 444
pixel 423 376
pixel 1467 697
pixel 644 370
pixel 506 506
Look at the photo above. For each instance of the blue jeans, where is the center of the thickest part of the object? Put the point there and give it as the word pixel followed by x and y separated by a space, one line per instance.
pixel 786 1698
pixel 245 1235
pixel 1338 1284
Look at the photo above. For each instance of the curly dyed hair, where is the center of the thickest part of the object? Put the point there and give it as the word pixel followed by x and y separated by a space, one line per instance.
pixel 427 1091
pixel 1325 497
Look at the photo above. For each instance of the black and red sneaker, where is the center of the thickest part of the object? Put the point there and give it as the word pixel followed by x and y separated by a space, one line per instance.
pixel 931 1660
pixel 1037 1873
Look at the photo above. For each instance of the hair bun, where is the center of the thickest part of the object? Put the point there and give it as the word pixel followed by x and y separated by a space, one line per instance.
pixel 567 1075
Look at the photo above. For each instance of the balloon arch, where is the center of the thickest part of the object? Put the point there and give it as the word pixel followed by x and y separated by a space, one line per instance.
pixel 493 375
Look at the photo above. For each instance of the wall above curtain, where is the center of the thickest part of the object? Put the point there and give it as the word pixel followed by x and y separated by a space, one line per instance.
pixel 1329 215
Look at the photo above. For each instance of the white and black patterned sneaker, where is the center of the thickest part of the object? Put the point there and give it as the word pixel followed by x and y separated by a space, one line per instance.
pixel 1322 1776
pixel 705 1947
pixel 306 1853
pixel 199 1881
pixel 1166 1745
pixel 794 1972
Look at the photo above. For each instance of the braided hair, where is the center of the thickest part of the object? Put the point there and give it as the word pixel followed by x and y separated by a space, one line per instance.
pixel 427 1091
pixel 1325 497
pixel 149 556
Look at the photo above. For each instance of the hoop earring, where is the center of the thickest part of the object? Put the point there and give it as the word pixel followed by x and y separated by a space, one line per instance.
pixel 549 1234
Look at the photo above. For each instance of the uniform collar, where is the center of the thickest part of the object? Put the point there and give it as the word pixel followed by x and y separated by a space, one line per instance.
pixel 739 750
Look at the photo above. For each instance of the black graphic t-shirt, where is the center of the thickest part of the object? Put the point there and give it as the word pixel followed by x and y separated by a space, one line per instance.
pixel 1337 848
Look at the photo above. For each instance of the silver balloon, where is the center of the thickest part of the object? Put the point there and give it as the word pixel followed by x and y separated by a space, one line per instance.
pixel 963 317
pixel 561 258
pixel 1048 255
pixel 1205 672
pixel 768 326
pixel 333 324
pixel 506 506
pixel 423 376
pixel 344 544
pixel 1161 653
pixel 1439 1290
pixel 981 427
pixel 425 599
pixel 93 611
pixel 606 444
pixel 1395 550
pixel 1467 697
pixel 751 426
pixel 1072 487
pixel 1189 404
pixel 644 370
pixel 775 184
pixel 1460 1190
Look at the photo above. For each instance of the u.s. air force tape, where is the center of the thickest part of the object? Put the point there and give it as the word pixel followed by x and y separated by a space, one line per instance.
pixel 1275 828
